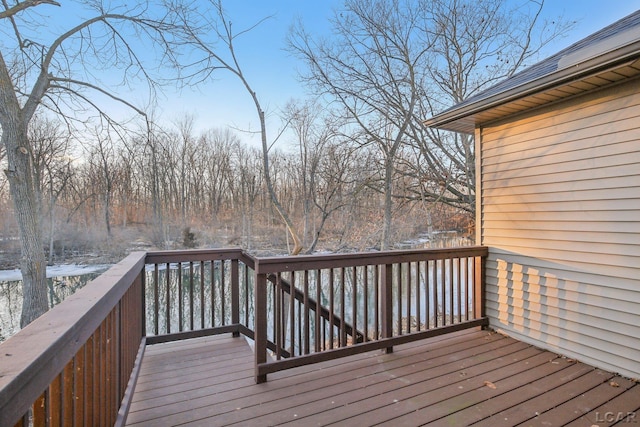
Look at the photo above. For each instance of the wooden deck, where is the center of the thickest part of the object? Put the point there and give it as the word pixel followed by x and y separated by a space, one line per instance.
pixel 472 377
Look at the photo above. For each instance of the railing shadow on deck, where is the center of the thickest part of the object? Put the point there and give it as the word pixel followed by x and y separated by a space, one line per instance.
pixel 78 363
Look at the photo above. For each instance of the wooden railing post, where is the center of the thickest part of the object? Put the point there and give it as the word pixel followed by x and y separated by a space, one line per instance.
pixel 478 287
pixel 386 304
pixel 260 325
pixel 235 294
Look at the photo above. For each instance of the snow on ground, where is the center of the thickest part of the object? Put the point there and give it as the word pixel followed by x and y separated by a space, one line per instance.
pixel 56 271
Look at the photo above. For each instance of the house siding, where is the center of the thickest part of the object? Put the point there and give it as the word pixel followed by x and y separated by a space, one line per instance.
pixel 560 212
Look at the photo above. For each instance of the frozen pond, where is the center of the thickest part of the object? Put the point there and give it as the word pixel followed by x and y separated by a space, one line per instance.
pixel 62 281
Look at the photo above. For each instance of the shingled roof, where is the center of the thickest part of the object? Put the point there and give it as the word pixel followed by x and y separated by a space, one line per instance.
pixel 607 56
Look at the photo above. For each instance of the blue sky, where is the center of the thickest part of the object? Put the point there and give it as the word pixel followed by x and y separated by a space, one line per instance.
pixel 272 71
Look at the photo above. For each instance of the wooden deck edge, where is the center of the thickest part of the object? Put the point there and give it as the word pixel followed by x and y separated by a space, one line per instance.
pixel 123 412
pixel 178 336
pixel 279 365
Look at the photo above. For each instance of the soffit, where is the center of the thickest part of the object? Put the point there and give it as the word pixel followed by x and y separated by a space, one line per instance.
pixel 552 94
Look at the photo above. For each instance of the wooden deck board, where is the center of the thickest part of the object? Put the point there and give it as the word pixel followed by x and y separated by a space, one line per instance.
pixel 438 403
pixel 622 405
pixel 457 379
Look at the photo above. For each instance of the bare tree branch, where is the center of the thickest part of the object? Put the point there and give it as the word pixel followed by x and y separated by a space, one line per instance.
pixel 23 5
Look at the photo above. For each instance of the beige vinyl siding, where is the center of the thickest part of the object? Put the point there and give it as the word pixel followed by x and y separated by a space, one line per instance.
pixel 560 193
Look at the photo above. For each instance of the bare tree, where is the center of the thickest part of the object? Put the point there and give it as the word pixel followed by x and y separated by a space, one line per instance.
pixel 246 188
pixel 332 185
pixel 127 176
pixel 322 166
pixel 220 146
pixel 101 158
pixel 221 26
pixel 473 45
pixel 303 119
pixel 59 74
pixel 52 168
pixel 371 68
pixel 392 63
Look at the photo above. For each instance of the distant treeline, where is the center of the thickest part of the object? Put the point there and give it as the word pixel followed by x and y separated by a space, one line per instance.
pixel 176 188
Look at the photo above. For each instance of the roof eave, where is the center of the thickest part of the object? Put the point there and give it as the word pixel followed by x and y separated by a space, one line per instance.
pixel 462 120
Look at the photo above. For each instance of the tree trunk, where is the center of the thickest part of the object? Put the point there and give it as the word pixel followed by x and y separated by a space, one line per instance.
pixel 297 244
pixel 51 226
pixel 388 203
pixel 27 210
pixel 107 207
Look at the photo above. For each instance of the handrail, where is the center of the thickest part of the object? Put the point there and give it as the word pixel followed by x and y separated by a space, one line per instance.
pixel 159 257
pixel 313 262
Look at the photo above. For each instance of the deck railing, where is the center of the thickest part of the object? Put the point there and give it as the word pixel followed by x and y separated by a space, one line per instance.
pixel 198 292
pixel 373 300
pixel 72 366
pixel 78 363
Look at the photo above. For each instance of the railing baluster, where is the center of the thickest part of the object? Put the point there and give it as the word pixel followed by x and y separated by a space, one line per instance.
pixel 365 296
pixel 283 318
pixel 78 387
pixel 428 295
pixel 55 404
pixel 260 325
pixel 331 308
pixel 245 286
pixel 398 288
pixel 467 292
pixel 102 373
pixel 459 263
pixel 180 298
pixel 292 309
pixel 107 365
pixel 202 305
pixel 442 304
pixel 168 304
pixel 212 292
pixel 300 343
pixel 235 294
pixel 115 364
pixel 354 305
pixel 67 415
pixel 417 298
pixel 450 266
pixel 376 289
pixel 278 316
pixel 223 293
pixel 46 414
pixel 319 327
pixel 156 303
pixel 435 284
pixel 409 282
pixel 89 377
pixel 274 302
pixel 306 313
pixel 387 302
pixel 108 369
pixel 478 289
pixel 191 314
pixel 343 328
